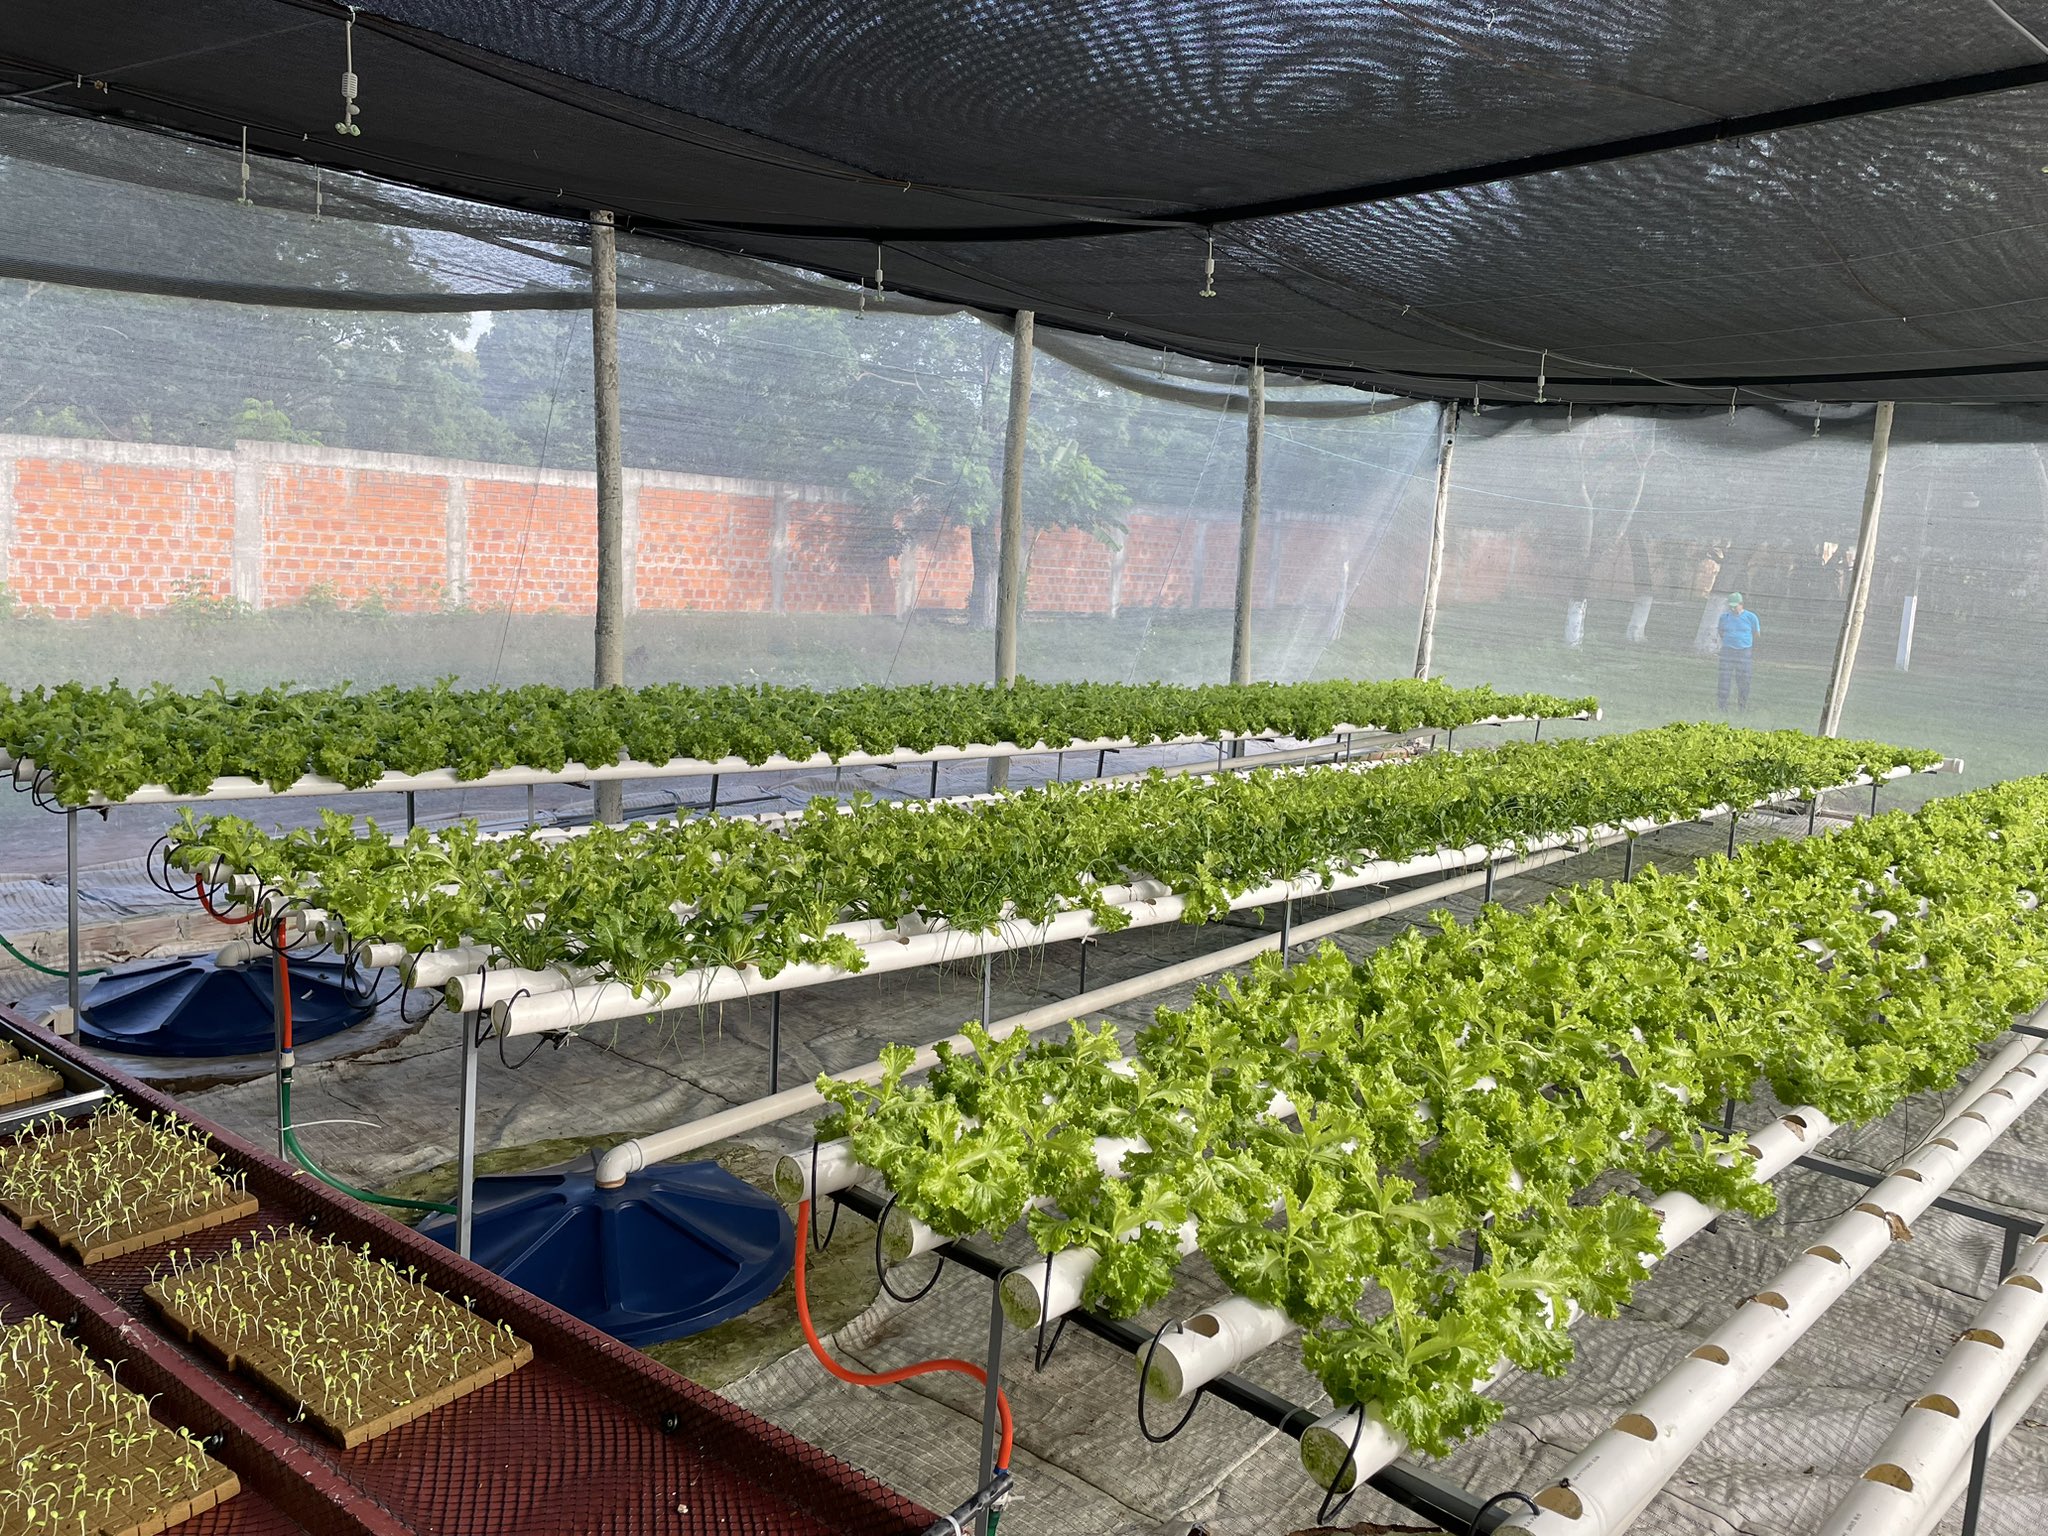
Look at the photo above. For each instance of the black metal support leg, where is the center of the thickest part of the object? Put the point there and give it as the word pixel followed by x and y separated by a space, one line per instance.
pixel 71 984
pixel 988 987
pixel 1980 1453
pixel 1874 788
pixel 1813 814
pixel 2003 1220
pixel 934 794
pixel 1628 859
pixel 411 811
pixel 991 1409
pixel 1487 894
pixel 775 1042
pixel 1086 945
pixel 1734 825
pixel 712 809
pixel 1286 928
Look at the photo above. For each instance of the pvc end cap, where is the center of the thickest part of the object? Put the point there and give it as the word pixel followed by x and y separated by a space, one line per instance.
pixel 789 1180
pixel 1022 1304
pixel 1326 1457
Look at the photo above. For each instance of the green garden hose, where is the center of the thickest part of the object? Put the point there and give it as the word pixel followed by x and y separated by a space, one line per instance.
pixel 291 1142
pixel 37 965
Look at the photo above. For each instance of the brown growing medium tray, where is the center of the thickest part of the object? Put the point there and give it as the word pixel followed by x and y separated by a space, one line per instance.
pixel 630 1442
pixel 347 1436
pixel 144 1228
pixel 219 1485
pixel 23 1079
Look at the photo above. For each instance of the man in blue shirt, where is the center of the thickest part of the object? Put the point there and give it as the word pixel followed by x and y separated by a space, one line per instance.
pixel 1738 631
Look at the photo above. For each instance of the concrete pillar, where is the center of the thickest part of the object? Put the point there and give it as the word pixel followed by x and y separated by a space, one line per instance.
pixel 611 504
pixel 455 534
pixel 1010 546
pixel 1248 525
pixel 1433 577
pixel 629 538
pixel 245 548
pixel 778 552
pixel 1866 566
pixel 7 481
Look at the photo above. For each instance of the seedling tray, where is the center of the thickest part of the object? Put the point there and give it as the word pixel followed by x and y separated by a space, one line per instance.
pixel 359 1315
pixel 23 1080
pixel 89 1159
pixel 158 1479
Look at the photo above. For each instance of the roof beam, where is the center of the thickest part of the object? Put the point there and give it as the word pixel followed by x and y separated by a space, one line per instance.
pixel 1366 194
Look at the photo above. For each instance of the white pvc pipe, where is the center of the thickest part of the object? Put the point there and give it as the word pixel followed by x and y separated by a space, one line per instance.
pixel 2017 1404
pixel 1913 1466
pixel 631 1156
pixel 1610 1483
pixel 1329 1453
pixel 905 1237
pixel 572 1008
pixel 236 787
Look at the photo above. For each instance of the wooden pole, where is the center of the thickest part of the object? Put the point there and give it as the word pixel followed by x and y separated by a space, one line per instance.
pixel 1433 578
pixel 1010 546
pixel 611 504
pixel 1866 565
pixel 1248 529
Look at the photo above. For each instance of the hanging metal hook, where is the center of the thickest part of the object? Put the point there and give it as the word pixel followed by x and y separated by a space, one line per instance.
pixel 1209 270
pixel 348 127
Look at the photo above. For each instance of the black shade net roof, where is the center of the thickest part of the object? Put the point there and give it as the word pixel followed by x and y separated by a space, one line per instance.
pixel 1668 201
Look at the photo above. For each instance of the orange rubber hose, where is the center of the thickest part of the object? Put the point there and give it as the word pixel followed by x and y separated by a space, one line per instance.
pixel 901 1373
pixel 200 886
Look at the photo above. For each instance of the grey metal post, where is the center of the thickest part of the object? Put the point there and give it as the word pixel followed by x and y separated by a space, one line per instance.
pixel 1086 945
pixel 991 1408
pixel 412 811
pixel 988 986
pixel 609 796
pixel 712 809
pixel 71 913
pixel 1487 894
pixel 1010 542
pixel 465 1172
pixel 1734 822
pixel 1866 562
pixel 1980 1453
pixel 1628 860
pixel 774 1043
pixel 935 780
pixel 279 999
pixel 1248 527
pixel 529 805
pixel 1286 927
pixel 1813 813
pixel 1433 578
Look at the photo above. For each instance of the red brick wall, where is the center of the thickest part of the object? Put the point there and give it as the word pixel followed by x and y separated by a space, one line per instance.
pixel 532 548
pixel 704 550
pixel 88 536
pixel 355 532
pixel 1069 573
pixel 88 525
